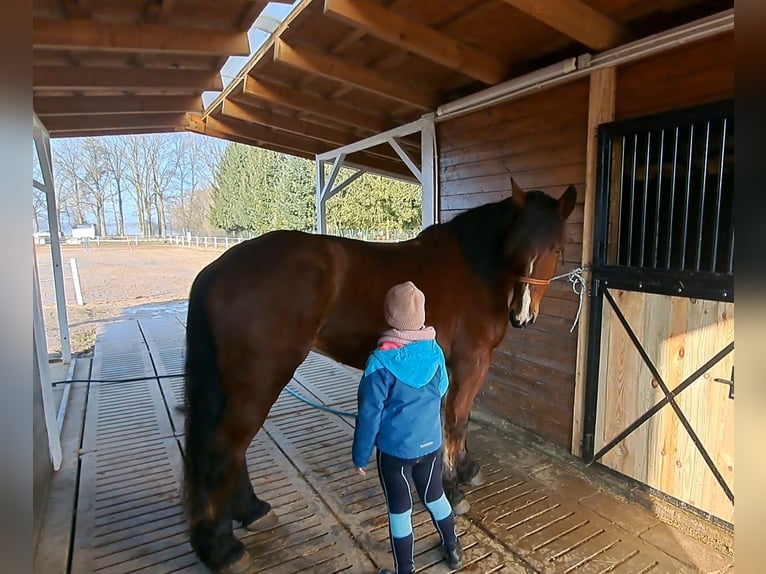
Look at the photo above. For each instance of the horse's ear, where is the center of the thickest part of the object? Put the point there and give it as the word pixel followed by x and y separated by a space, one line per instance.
pixel 518 195
pixel 567 202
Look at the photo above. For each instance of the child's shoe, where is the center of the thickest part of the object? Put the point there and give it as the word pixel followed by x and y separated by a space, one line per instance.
pixel 454 555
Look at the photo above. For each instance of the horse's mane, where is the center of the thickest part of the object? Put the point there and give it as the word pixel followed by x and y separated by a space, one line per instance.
pixel 484 231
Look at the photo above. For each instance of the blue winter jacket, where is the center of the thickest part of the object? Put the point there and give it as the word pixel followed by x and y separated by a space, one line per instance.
pixel 399 402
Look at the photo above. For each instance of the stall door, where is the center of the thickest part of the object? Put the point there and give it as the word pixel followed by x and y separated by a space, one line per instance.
pixel 660 387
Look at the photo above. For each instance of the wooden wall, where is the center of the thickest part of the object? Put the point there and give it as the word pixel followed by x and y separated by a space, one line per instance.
pixel 540 140
pixel 696 74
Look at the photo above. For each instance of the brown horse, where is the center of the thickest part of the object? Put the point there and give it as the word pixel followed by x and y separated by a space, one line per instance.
pixel 257 311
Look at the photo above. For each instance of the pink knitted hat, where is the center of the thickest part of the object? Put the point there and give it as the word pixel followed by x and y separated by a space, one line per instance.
pixel 404 307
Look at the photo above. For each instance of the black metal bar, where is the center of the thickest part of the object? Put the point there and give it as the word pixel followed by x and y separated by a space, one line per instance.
pixel 645 199
pixel 718 194
pixel 618 229
pixel 674 405
pixel 632 202
pixel 600 237
pixel 674 393
pixel 687 193
pixel 703 189
pixel 673 175
pixel 658 201
pixel 731 247
pixel 703 113
pixel 696 284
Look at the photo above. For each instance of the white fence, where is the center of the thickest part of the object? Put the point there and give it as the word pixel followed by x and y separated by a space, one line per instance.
pixel 223 243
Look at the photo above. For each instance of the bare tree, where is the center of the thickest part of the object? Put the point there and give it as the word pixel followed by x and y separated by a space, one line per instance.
pixel 115 161
pixel 70 187
pixel 96 180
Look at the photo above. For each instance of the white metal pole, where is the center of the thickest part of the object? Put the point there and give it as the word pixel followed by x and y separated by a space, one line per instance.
pixel 428 166
pixel 321 213
pixel 41 351
pixel 76 280
pixel 42 141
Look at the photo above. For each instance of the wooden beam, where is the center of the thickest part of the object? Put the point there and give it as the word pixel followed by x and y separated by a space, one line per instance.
pixel 254 90
pixel 288 124
pixel 600 110
pixel 86 77
pixel 116 122
pixel 145 37
pixel 315 62
pixel 116 132
pixel 426 42
pixel 95 105
pixel 265 134
pixel 330 136
pixel 285 143
pixel 576 20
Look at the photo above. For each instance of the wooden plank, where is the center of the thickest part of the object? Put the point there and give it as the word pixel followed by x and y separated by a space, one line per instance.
pixel 543 157
pixel 87 77
pixel 257 91
pixel 81 123
pixel 600 110
pixel 426 42
pixel 576 20
pixel 533 179
pixel 94 105
pixel 288 124
pixel 314 62
pixel 543 111
pixel 77 34
pixel 694 74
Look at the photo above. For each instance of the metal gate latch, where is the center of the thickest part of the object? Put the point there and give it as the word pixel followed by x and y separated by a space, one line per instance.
pixel 729 382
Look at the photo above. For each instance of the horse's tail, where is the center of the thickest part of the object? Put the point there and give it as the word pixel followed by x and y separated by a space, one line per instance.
pixel 204 401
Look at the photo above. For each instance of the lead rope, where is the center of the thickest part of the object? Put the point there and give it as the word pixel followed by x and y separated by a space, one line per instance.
pixel 579 288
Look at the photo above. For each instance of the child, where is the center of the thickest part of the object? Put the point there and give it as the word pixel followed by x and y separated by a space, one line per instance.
pixel 399 413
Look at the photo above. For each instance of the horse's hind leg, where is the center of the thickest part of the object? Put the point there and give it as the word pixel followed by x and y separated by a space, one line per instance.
pixel 246 508
pixel 459 468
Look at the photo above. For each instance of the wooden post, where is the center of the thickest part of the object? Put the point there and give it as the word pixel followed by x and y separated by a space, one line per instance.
pixel 76 280
pixel 600 110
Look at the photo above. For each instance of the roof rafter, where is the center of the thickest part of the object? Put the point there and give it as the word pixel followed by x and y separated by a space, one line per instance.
pixel 285 143
pixel 95 105
pixel 254 90
pixel 577 20
pixel 85 77
pixel 289 124
pixel 330 136
pixel 145 37
pixel 390 27
pixel 333 68
pixel 95 123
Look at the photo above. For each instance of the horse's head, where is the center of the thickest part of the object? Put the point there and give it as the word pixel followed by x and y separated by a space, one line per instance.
pixel 533 248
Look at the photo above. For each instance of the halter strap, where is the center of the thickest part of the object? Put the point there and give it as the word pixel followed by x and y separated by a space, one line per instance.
pixel 534 281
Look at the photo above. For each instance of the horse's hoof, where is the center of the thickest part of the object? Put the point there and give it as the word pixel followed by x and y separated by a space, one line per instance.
pixel 266 521
pixel 461 507
pixel 242 565
pixel 477 479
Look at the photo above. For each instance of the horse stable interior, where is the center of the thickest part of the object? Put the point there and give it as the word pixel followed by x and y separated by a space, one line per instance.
pixel 621 427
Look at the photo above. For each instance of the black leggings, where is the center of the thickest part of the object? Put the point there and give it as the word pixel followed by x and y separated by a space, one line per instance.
pixel 396 477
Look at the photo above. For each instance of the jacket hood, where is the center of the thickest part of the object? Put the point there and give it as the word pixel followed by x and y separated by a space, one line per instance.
pixel 414 364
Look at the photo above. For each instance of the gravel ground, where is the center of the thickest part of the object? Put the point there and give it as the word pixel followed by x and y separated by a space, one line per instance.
pixel 117 282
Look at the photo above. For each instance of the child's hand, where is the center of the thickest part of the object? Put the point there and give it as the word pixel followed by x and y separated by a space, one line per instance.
pixel 361 471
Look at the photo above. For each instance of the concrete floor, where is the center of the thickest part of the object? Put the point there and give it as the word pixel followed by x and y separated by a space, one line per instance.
pixel 114 507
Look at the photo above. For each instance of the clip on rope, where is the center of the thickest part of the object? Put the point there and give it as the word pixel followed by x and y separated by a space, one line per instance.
pixel 579 287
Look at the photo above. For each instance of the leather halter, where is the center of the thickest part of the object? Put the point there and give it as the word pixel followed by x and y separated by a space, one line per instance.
pixel 534 281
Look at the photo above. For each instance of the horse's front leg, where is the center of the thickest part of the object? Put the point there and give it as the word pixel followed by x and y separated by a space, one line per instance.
pixel 467 376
